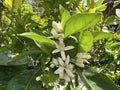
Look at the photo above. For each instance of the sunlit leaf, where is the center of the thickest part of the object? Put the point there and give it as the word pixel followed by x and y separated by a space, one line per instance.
pixel 85 41
pixel 101 35
pixel 16 4
pixel 64 14
pixel 101 7
pixel 8 3
pixel 116 3
pixel 38 38
pixel 80 22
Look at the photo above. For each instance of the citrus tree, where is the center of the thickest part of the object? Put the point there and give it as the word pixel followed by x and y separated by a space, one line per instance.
pixel 58 45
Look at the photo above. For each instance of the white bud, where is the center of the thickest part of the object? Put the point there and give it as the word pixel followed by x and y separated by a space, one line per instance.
pixel 52 65
pixel 38 78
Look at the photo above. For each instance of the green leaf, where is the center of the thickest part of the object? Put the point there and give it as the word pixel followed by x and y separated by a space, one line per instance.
pixel 25 53
pixel 99 2
pixel 71 42
pixel 84 79
pixel 38 38
pixel 8 3
pixel 25 81
pixel 85 41
pixel 65 15
pixel 3 87
pixel 45 48
pixel 95 81
pixel 101 7
pixel 7 73
pixel 90 3
pixel 110 20
pixel 101 35
pixel 80 22
pixel 101 82
pixel 116 3
pixel 16 4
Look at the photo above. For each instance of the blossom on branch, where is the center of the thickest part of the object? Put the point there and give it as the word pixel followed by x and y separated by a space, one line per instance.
pixel 62 48
pixel 81 58
pixel 65 69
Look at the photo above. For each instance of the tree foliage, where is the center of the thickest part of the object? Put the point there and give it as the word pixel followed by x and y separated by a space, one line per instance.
pixel 53 44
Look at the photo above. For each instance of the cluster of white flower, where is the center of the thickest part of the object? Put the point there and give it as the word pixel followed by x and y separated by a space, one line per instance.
pixel 63 63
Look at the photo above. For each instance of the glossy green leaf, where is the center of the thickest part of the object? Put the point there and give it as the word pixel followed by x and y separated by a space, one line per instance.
pixel 71 42
pixel 84 79
pixel 85 41
pixel 96 81
pixel 101 82
pixel 38 38
pixel 101 35
pixel 7 73
pixel 25 81
pixel 80 22
pixel 64 14
pixel 26 53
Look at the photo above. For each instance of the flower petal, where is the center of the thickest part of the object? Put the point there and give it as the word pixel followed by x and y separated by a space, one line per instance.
pixel 66 77
pixel 55 61
pixel 57 26
pixel 60 61
pixel 67 60
pixel 56 51
pixel 59 70
pixel 68 48
pixel 63 55
pixel 80 64
pixel 69 72
pixel 70 66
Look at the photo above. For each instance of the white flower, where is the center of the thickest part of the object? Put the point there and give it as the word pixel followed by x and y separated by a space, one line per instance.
pixel 56 35
pixel 54 63
pixel 57 26
pixel 81 58
pixel 38 78
pixel 118 12
pixel 65 69
pixel 67 2
pixel 62 48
